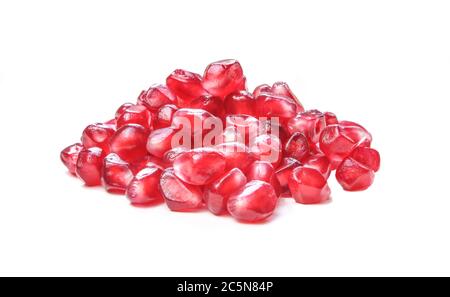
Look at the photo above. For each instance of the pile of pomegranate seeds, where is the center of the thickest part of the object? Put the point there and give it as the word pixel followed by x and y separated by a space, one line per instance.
pixel 207 142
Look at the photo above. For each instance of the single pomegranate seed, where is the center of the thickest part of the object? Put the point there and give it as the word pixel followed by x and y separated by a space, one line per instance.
pixel 165 115
pixel 338 141
pixel 231 134
pixel 148 161
pixel 97 135
pixel 217 193
pixel 297 147
pixel 122 109
pixel 354 176
pixel 170 155
pixel 178 195
pixel 264 171
pixel 111 123
pixel 160 141
pixel 212 104
pixel 89 165
pixel 368 157
pixel 320 163
pixel 244 124
pixel 236 154
pixel 282 89
pixel 261 89
pixel 241 102
pixel 143 190
pixel 223 77
pixel 285 170
pixel 69 156
pixel 116 174
pixel 272 126
pixel 156 96
pixel 330 118
pixel 269 105
pixel 267 147
pixel 129 142
pixel 195 120
pixel 311 123
pixel 185 85
pixel 199 166
pixel 308 186
pixel 256 201
pixel 136 114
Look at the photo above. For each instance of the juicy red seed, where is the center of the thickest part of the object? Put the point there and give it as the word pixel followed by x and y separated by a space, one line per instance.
pixel 217 193
pixel 285 170
pixel 89 165
pixel 129 142
pixel 160 141
pixel 212 104
pixel 297 147
pixel 320 163
pixel 272 126
pixel 282 89
pixel 308 186
pixel 116 174
pixel 263 171
pixel 178 195
pixel 69 156
pixel 223 77
pixel 261 89
pixel 357 133
pixel 269 105
pixel 330 118
pixel 148 161
pixel 241 102
pixel 354 176
pixel 170 155
pixel 311 123
pixel 231 134
pixel 199 166
pixel 267 147
pixel 165 114
pixel 367 156
pixel 97 135
pixel 194 120
pixel 156 96
pixel 236 154
pixel 111 123
pixel 244 124
pixel 136 114
pixel 256 201
pixel 143 189
pixel 122 108
pixel 185 85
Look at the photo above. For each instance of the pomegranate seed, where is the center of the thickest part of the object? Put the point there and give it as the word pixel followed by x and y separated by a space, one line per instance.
pixel 244 124
pixel 165 115
pixel 116 174
pixel 195 120
pixel 368 157
pixel 122 109
pixel 330 118
pixel 199 166
pixel 354 176
pixel 129 142
pixel 275 106
pixel 185 85
pixel 240 103
pixel 223 77
pixel 320 163
pixel 97 135
pixel 211 104
pixel 148 161
pixel 231 134
pixel 308 186
pixel 267 147
pixel 264 171
pixel 156 96
pixel 89 165
pixel 69 156
pixel 273 127
pixel 160 141
pixel 236 154
pixel 358 133
pixel 311 123
pixel 143 190
pixel 256 201
pixel 285 170
pixel 217 193
pixel 136 114
pixel 282 89
pixel 111 123
pixel 261 89
pixel 170 155
pixel 297 147
pixel 178 195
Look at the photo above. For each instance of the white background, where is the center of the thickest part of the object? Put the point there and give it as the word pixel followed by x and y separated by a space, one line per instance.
pixel 66 64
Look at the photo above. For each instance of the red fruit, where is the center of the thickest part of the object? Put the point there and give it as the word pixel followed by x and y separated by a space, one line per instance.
pixel 267 147
pixel 129 142
pixel 185 85
pixel 241 102
pixel 217 193
pixel 256 201
pixel 269 105
pixel 236 154
pixel 122 108
pixel 111 123
pixel 160 141
pixel 282 89
pixel 137 114
pixel 178 195
pixel 165 114
pixel 308 186
pixel 156 96
pixel 196 120
pixel 263 171
pixel 170 155
pixel 285 170
pixel 143 189
pixel 261 89
pixel 330 118
pixel 223 77
pixel 368 157
pixel 97 135
pixel 116 174
pixel 297 147
pixel 354 176
pixel 272 126
pixel 231 134
pixel 244 124
pixel 212 104
pixel 199 166
pixel 148 161
pixel 338 141
pixel 69 156
pixel 311 123
pixel 320 163
pixel 89 165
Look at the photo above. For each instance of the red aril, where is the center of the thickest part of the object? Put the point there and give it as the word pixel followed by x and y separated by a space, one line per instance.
pixel 89 165
pixel 156 96
pixel 122 108
pixel 330 118
pixel 129 142
pixel 186 86
pixel 269 105
pixel 320 163
pixel 244 124
pixel 223 77
pixel 297 147
pixel 263 171
pixel 282 89
pixel 241 102
pixel 311 123
pixel 171 154
pixel 236 154
pixel 308 186
pixel 267 147
pixel 354 176
pixel 367 156
pixel 116 174
pixel 264 88
pixel 97 135
pixel 160 141
pixel 143 190
pixel 69 156
pixel 285 170
pixel 136 114
pixel 164 115
pixel 211 104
